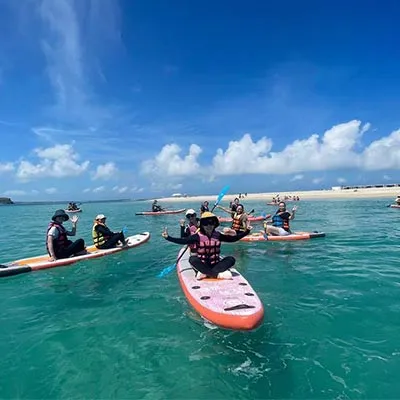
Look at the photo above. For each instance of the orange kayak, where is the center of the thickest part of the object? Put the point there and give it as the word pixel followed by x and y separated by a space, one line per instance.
pixel 161 212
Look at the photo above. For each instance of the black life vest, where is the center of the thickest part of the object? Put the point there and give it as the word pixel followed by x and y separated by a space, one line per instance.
pixel 62 240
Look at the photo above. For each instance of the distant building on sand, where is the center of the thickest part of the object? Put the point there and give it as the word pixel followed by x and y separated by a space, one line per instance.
pixel 379 186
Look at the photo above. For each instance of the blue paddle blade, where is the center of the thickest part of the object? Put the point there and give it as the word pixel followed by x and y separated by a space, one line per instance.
pixel 124 230
pixel 224 191
pixel 166 271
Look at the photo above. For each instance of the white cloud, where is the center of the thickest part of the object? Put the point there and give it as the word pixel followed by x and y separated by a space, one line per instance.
pixel 338 148
pixel 15 193
pixel 87 190
pixel 105 171
pixel 316 181
pixel 332 151
pixel 62 48
pixel 119 189
pixel 387 177
pixel 297 177
pixel 99 189
pixel 135 189
pixel 51 190
pixel 74 36
pixel 341 180
pixel 6 167
pixel 169 163
pixel 177 186
pixel 383 153
pixel 58 161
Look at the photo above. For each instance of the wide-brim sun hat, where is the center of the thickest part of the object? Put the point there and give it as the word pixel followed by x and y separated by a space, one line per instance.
pixel 60 213
pixel 100 216
pixel 208 215
pixel 190 211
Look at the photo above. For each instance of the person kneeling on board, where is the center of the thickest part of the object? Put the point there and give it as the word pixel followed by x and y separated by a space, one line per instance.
pixel 240 221
pixel 207 262
pixel 280 221
pixel 103 237
pixel 156 207
pixel 57 244
pixel 204 207
pixel 191 228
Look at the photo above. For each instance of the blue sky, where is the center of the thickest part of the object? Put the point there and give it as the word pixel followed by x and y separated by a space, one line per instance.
pixel 108 99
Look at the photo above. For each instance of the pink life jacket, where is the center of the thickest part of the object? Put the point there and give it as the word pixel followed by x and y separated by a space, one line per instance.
pixel 193 230
pixel 209 249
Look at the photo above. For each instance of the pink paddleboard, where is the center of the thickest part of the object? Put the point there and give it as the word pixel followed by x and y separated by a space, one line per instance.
pixel 228 303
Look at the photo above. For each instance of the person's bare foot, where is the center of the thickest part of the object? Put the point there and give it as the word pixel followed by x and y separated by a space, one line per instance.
pixel 81 253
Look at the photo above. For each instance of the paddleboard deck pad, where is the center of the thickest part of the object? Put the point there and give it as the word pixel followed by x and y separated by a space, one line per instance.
pixel 161 212
pixel 227 303
pixel 262 237
pixel 43 262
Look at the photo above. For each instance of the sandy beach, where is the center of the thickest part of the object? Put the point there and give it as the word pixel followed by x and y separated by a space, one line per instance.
pixel 385 192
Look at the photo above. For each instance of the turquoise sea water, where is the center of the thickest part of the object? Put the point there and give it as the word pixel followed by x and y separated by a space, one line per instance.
pixel 109 328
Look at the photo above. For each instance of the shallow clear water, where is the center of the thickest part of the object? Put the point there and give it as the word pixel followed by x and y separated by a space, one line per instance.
pixel 109 328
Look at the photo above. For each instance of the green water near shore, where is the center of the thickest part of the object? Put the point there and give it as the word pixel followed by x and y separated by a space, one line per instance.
pixel 109 328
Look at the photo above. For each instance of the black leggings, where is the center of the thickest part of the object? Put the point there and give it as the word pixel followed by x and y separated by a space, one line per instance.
pixel 212 270
pixel 71 249
pixel 114 239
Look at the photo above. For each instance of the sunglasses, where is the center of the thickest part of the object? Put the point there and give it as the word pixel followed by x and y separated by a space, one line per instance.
pixel 208 222
pixel 190 215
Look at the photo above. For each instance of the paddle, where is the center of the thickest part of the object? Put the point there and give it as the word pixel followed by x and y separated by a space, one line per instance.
pixel 167 270
pixel 124 230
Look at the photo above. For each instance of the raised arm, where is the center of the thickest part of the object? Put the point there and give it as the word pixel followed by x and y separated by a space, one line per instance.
pixel 293 214
pixel 225 209
pixel 183 240
pixel 72 232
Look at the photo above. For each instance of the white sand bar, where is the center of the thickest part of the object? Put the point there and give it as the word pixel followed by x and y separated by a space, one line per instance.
pixel 385 192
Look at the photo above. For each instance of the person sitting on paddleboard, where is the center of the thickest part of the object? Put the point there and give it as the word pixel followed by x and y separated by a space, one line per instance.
pixel 234 205
pixel 204 207
pixel 207 262
pixel 72 206
pixel 280 221
pixel 156 207
pixel 57 244
pixel 240 219
pixel 191 228
pixel 103 237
